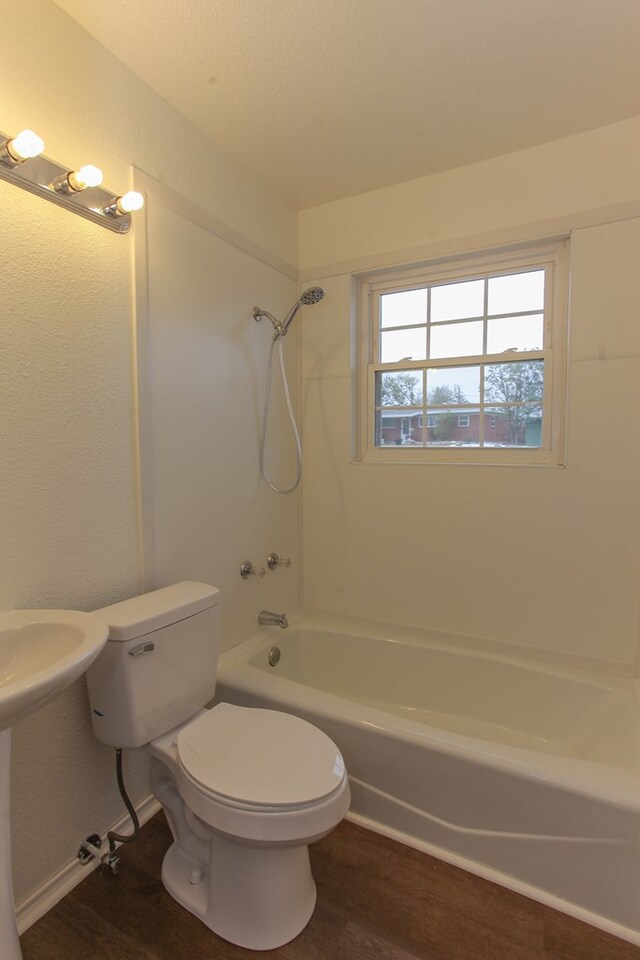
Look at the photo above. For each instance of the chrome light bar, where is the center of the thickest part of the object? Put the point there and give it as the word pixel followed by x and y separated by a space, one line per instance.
pixel 70 189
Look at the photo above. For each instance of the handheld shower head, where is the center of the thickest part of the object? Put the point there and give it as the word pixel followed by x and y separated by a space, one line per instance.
pixel 307 298
pixel 312 295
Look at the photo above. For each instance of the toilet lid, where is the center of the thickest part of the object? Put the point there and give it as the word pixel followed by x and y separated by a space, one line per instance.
pixel 263 757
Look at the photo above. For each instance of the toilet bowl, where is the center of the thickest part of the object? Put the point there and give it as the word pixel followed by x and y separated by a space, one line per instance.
pixel 245 790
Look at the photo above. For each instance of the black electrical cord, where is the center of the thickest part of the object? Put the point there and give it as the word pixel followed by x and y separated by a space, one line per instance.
pixel 112 837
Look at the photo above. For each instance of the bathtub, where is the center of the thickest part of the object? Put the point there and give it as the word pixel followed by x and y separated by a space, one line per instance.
pixel 523 773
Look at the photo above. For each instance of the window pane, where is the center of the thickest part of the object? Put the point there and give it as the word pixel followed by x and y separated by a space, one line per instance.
pixel 453 385
pixel 455 301
pixel 516 382
pixel 403 345
pixel 515 333
pixel 515 426
pixel 516 292
pixel 403 388
pixel 496 428
pixel 456 340
pixel 453 428
pixel 399 428
pixel 401 309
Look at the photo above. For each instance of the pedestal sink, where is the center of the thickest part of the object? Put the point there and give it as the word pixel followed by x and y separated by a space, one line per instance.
pixel 41 653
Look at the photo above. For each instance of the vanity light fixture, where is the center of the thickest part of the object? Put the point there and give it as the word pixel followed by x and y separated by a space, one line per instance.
pixel 24 146
pixel 22 162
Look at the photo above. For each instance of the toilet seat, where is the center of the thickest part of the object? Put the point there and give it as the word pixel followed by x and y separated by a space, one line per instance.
pixel 303 805
pixel 256 759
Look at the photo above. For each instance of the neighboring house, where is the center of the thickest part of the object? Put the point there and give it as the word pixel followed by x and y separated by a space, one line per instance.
pixel 452 426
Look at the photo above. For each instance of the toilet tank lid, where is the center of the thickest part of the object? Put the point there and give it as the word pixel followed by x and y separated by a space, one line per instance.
pixel 151 611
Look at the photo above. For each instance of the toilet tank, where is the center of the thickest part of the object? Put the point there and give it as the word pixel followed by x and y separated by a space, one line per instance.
pixel 158 667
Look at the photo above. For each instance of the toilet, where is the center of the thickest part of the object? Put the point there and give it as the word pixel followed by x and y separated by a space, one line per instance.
pixel 245 790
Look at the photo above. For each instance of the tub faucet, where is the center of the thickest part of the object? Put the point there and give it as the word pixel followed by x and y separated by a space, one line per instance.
pixel 268 619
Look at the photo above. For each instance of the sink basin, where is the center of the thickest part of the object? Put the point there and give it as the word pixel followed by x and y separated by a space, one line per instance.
pixel 41 653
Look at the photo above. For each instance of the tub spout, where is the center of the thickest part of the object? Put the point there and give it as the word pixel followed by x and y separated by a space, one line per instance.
pixel 268 619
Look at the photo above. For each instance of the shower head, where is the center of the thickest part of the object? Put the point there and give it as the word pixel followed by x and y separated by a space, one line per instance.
pixel 312 295
pixel 308 297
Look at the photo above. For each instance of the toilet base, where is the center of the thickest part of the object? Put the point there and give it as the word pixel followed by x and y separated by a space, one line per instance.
pixel 257 897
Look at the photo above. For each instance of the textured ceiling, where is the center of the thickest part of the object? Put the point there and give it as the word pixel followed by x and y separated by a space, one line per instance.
pixel 322 99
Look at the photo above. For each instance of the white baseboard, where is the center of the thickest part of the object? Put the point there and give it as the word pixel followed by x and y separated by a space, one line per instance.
pixel 57 886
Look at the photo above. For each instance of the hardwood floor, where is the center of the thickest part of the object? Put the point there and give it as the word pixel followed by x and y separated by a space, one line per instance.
pixel 377 900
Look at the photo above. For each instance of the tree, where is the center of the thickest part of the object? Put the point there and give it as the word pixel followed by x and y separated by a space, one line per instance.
pixel 401 389
pixel 446 421
pixel 521 384
pixel 444 426
pixel 444 394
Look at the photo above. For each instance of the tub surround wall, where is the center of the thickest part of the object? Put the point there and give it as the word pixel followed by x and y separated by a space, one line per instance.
pixel 205 508
pixel 542 558
pixel 68 480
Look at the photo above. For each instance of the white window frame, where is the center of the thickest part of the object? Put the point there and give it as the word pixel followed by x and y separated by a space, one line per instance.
pixel 552 256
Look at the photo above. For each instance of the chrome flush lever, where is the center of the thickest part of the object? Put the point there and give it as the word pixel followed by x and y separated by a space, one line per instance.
pixel 273 561
pixel 146 647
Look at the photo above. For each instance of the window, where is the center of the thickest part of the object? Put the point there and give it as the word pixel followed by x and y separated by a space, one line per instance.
pixel 468 354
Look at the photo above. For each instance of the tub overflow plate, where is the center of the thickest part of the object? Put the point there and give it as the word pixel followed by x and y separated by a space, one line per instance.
pixel 274 656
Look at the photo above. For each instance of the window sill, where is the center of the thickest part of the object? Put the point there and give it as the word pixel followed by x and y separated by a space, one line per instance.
pixel 410 456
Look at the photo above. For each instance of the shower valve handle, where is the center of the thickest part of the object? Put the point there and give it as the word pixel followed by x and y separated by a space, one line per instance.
pixel 248 570
pixel 273 561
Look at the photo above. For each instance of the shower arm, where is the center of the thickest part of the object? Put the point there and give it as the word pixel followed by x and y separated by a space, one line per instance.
pixel 258 314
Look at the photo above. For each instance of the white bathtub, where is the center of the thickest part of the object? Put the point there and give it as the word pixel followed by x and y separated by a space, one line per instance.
pixel 526 774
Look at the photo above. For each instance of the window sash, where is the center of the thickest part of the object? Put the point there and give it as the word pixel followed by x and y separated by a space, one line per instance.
pixel 380 290
pixel 481 406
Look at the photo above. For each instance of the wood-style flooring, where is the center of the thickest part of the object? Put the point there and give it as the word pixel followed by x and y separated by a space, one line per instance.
pixel 376 899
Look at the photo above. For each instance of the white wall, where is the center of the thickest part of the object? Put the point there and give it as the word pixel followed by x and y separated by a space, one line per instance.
pixel 580 173
pixel 546 558
pixel 68 481
pixel 207 507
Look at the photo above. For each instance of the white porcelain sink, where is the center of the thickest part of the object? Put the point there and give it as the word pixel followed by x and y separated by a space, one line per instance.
pixel 41 653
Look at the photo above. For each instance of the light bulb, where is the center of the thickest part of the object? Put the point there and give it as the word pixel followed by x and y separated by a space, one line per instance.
pixel 130 202
pixel 25 146
pixel 87 176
